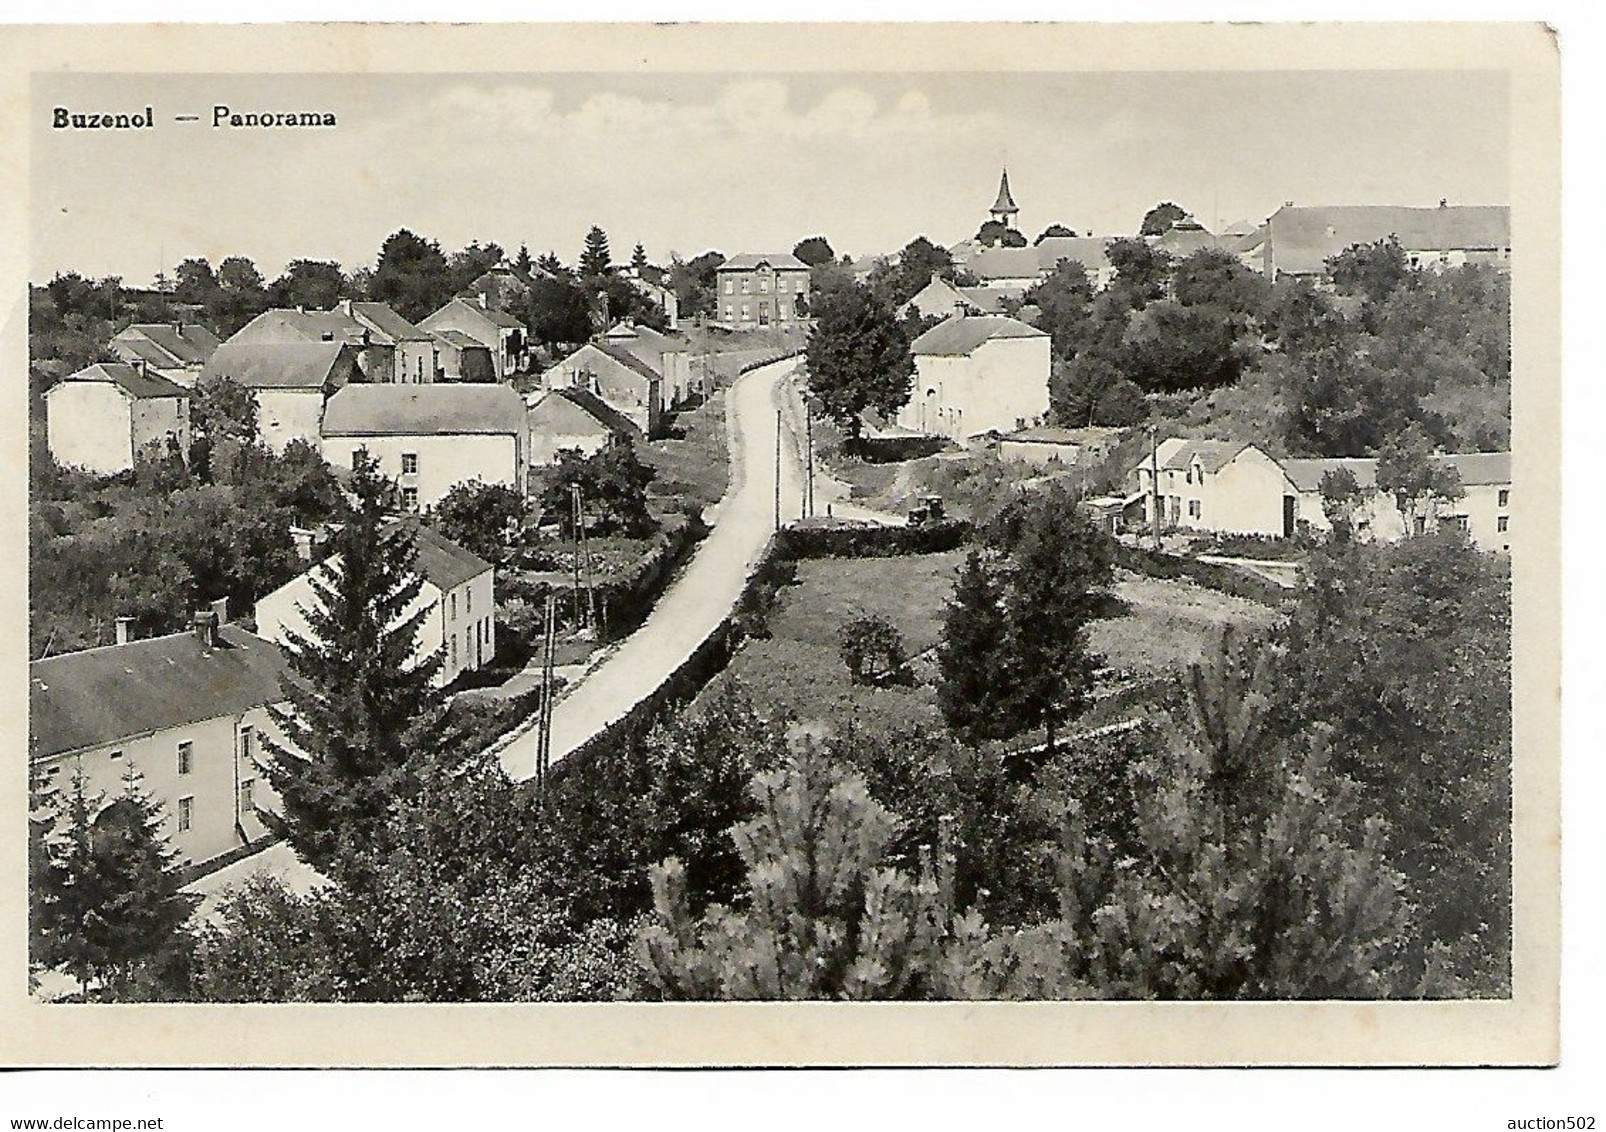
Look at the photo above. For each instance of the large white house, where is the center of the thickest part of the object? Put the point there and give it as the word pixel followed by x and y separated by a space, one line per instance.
pixel 430 438
pixel 291 382
pixel 1233 488
pixel 977 374
pixel 457 591
pixel 100 418
pixel 186 713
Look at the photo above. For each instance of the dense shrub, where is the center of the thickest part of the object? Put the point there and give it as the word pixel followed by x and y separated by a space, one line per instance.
pixel 800 542
pixel 1226 579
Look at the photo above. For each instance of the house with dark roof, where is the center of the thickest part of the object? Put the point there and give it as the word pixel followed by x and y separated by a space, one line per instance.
pixel 291 381
pixel 977 374
pixel 430 438
pixel 388 347
pixel 1298 240
pixel 504 335
pixel 667 355
pixel 1236 488
pixel 762 290
pixel 940 298
pixel 573 419
pixel 461 358
pixel 623 381
pixel 175 350
pixel 457 593
pixel 101 417
pixel 185 713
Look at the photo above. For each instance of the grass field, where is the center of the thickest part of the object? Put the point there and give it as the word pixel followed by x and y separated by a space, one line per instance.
pixel 693 467
pixel 1169 623
pixel 798 671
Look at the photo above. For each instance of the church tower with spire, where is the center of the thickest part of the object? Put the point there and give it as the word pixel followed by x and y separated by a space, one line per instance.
pixel 1004 209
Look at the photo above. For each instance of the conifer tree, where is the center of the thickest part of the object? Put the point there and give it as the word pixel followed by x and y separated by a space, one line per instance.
pixel 362 708
pixel 522 260
pixel 595 260
pixel 638 259
pixel 113 900
pixel 970 689
pixel 44 872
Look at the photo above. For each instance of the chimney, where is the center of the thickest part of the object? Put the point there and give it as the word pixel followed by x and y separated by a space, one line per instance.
pixel 125 630
pixel 205 625
pixel 178 327
pixel 301 308
pixel 220 611
pixel 345 307
pixel 959 309
pixel 485 300
pixel 139 366
pixel 1444 202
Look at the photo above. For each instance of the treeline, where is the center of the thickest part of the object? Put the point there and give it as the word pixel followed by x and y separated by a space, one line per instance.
pixel 1306 371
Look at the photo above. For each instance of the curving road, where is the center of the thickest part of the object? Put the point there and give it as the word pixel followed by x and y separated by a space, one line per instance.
pixel 698 600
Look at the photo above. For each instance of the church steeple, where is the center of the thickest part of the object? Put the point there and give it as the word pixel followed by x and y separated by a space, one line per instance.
pixel 1004 209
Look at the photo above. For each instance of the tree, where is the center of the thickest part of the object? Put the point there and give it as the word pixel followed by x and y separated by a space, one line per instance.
pixel 469 263
pixel 411 276
pixel 1381 639
pixel 301 482
pixel 1065 298
pixel 223 429
pixel 268 944
pixel 972 657
pixel 814 251
pixel 558 311
pixel 1091 390
pixel 1169 348
pixel 1142 272
pixel 872 649
pixel 1374 271
pixel 1217 279
pixel 522 260
pixel 480 517
pixel 613 491
pixel 595 261
pixel 114 909
pixel 1408 470
pixel 858 358
pixel 314 284
pixel 361 703
pixel 694 282
pixel 1059 563
pixel 1162 218
pixel 1054 231
pixel 195 283
pixel 919 261
pixel 638 259
pixel 1342 499
pixel 995 233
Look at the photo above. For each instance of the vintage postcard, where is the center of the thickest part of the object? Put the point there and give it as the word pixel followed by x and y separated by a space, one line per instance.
pixel 782 545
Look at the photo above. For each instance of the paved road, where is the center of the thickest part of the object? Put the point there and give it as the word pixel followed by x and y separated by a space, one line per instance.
pixel 699 599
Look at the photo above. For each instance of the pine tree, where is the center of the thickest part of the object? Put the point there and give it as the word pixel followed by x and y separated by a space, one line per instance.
pixel 45 877
pixel 970 657
pixel 1058 569
pixel 595 260
pixel 361 707
pixel 522 260
pixel 113 904
pixel 638 259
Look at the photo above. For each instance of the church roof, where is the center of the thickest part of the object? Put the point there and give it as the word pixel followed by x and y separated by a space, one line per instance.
pixel 1005 203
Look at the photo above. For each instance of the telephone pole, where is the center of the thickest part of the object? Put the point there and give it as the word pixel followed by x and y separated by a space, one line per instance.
pixel 1154 475
pixel 583 554
pixel 777 469
pixel 549 650
pixel 808 428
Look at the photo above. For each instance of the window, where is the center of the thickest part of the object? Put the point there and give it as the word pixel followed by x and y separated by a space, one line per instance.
pixel 410 498
pixel 186 813
pixel 1190 473
pixel 355 458
pixel 763 286
pixel 186 757
pixel 746 312
pixel 409 463
pixel 452 605
pixel 1193 508
pixel 246 787
pixel 746 285
pixel 1501 522
pixel 1505 497
pixel 468 602
pixel 247 750
pixel 452 652
pixel 117 754
pixel 730 285
pixel 1459 522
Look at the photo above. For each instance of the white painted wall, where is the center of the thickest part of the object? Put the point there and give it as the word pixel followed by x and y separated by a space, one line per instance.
pixel 284 415
pixel 89 425
pixel 1000 386
pixel 443 461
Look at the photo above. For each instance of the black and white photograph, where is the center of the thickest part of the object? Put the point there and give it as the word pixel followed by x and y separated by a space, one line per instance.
pixel 940 532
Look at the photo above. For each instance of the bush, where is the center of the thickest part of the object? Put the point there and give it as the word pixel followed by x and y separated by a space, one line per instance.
pixel 1225 579
pixel 800 542
pixel 872 648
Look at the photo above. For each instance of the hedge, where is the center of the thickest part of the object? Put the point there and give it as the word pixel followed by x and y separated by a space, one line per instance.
pixel 840 541
pixel 1225 579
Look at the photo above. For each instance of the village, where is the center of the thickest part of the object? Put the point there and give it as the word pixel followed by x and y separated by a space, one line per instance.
pixel 760 488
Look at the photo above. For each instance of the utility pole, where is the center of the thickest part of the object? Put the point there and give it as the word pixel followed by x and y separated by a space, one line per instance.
pixel 808 427
pixel 543 741
pixel 1154 474
pixel 583 548
pixel 777 469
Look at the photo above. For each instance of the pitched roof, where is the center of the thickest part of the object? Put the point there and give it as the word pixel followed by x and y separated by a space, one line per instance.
pixel 645 343
pixel 457 340
pixel 184 344
pixel 98 696
pixel 1475 469
pixel 567 410
pixel 488 314
pixel 287 324
pixel 140 385
pixel 625 358
pixel 282 365
pixel 1303 237
pixel 1007 263
pixel 388 322
pixel 1005 204
pixel 747 261
pixel 961 335
pixel 441 562
pixel 1211 454
pixel 423 410
pixel 1092 252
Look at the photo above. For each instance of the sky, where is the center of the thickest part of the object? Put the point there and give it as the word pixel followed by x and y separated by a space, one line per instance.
pixel 688 163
